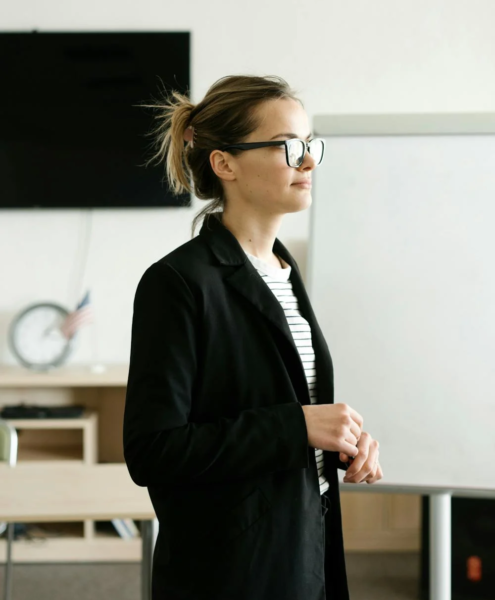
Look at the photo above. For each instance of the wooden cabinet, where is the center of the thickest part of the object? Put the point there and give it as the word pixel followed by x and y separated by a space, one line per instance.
pixel 381 522
pixel 94 438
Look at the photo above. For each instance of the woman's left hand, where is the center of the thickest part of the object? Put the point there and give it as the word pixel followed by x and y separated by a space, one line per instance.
pixel 365 466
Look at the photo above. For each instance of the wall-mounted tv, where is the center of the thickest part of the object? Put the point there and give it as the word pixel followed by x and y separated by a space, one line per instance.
pixel 71 133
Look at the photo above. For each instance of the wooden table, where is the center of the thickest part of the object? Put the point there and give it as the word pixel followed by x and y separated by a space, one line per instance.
pixel 35 493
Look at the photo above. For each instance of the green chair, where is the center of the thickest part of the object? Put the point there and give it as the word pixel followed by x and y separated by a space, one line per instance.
pixel 8 454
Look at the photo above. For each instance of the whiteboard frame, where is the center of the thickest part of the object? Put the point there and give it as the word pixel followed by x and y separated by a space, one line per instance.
pixel 335 125
pixel 404 124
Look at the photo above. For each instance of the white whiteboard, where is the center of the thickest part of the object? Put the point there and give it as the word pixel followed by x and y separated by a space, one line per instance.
pixel 401 276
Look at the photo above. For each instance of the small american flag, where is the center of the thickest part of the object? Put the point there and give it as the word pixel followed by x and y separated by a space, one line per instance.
pixel 75 319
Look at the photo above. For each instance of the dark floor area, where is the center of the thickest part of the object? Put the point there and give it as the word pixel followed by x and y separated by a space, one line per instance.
pixel 376 576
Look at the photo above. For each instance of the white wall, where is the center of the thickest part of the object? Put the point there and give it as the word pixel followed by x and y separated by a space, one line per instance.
pixel 355 57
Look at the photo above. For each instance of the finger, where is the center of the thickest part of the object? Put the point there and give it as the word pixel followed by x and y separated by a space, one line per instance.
pixel 357 418
pixel 355 430
pixel 356 424
pixel 363 459
pixel 378 475
pixel 365 462
pixel 372 474
pixel 349 449
pixel 351 438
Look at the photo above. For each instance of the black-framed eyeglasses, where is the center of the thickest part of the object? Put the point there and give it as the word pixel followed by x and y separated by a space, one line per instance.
pixel 295 149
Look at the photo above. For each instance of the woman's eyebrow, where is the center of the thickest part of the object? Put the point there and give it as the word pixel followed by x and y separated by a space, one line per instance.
pixel 289 135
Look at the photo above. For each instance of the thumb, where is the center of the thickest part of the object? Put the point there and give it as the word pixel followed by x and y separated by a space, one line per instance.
pixel 343 457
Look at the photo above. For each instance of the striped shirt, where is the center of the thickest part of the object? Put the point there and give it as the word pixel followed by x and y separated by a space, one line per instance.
pixel 277 279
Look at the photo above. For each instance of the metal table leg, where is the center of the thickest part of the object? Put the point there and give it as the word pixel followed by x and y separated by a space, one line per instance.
pixel 440 546
pixel 8 562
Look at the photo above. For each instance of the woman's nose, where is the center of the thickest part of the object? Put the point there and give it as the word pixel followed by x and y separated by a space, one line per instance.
pixel 308 163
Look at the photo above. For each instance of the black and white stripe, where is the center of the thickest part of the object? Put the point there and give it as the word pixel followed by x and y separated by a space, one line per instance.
pixel 277 279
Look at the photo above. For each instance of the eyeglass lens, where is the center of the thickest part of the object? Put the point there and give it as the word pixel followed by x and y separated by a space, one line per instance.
pixel 296 151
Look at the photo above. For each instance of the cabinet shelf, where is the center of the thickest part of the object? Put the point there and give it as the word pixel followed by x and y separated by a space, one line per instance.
pixel 67 542
pixel 14 376
pixel 66 440
pixel 87 419
pixel 74 549
pixel 61 454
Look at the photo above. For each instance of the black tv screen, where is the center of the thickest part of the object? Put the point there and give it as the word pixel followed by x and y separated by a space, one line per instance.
pixel 71 132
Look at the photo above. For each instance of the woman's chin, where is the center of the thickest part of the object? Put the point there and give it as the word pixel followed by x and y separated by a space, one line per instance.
pixel 301 201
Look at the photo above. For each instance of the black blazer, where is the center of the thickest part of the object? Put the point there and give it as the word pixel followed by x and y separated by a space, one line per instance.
pixel 214 428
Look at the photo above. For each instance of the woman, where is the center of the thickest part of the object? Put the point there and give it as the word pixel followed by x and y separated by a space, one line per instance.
pixel 230 419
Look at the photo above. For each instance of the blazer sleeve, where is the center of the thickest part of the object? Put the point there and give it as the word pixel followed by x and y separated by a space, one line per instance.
pixel 161 445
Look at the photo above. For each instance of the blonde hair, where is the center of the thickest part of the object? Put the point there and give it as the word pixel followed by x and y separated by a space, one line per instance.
pixel 226 115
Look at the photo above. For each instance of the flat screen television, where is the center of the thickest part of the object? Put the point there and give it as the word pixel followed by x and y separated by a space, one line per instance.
pixel 73 133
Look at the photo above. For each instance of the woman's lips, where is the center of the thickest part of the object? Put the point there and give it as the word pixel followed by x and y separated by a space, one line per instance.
pixel 303 184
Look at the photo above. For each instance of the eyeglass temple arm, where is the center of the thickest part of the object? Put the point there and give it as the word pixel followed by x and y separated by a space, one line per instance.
pixel 248 145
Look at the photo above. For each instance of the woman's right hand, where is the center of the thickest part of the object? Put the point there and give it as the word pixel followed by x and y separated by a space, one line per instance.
pixel 333 427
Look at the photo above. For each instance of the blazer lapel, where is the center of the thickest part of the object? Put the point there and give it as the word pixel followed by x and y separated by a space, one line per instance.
pixel 246 281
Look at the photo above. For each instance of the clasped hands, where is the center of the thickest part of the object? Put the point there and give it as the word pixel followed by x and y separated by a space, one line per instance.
pixel 365 467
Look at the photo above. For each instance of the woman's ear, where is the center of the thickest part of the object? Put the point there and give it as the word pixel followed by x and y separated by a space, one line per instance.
pixel 221 163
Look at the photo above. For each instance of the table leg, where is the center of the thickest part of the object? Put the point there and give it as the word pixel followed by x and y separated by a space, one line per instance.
pixel 155 527
pixel 147 558
pixel 8 562
pixel 440 546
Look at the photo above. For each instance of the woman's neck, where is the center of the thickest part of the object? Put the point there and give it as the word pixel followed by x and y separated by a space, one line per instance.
pixel 256 234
